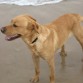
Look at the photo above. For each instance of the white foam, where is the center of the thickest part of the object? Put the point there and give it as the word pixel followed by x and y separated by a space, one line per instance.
pixel 29 2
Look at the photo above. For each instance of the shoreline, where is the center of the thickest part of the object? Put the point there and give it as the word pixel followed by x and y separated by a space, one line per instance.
pixel 49 11
pixel 26 3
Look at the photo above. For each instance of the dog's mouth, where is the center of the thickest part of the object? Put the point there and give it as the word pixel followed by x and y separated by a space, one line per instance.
pixel 12 37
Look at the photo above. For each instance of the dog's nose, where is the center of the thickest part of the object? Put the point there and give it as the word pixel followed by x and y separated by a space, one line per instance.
pixel 3 29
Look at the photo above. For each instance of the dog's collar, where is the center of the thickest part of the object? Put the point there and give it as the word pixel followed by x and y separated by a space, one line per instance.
pixel 34 40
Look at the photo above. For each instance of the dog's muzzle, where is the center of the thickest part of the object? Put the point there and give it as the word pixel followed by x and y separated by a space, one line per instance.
pixel 3 29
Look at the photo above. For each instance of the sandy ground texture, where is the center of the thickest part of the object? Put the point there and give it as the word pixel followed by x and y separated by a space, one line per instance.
pixel 16 64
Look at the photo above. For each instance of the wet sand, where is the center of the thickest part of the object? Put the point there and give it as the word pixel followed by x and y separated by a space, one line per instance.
pixel 16 64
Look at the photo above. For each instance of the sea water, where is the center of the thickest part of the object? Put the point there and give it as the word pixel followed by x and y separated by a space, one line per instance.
pixel 29 2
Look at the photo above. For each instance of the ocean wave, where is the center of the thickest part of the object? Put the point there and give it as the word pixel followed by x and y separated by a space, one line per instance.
pixel 29 2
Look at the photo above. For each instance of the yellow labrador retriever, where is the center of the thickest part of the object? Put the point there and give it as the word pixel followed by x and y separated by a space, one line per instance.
pixel 44 40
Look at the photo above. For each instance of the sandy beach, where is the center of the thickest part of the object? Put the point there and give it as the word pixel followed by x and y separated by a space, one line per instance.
pixel 16 64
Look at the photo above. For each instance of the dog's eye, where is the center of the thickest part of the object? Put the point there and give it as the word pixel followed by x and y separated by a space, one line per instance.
pixel 14 25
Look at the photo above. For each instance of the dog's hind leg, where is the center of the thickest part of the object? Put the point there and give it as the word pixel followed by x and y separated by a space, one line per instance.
pixel 63 54
pixel 78 33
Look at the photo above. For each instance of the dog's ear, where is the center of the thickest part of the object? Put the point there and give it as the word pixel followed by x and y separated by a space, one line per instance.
pixel 33 26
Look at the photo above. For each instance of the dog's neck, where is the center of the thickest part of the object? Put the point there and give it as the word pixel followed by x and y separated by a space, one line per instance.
pixel 37 37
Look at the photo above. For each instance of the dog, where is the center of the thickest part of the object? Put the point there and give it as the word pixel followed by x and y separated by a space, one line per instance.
pixel 45 40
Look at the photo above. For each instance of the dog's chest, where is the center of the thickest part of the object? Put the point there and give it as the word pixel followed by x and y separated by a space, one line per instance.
pixel 36 48
pixel 38 45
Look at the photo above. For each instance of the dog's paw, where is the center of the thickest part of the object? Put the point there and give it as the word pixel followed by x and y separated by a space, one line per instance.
pixel 34 80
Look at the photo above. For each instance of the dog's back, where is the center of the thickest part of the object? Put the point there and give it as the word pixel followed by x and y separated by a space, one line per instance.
pixel 65 25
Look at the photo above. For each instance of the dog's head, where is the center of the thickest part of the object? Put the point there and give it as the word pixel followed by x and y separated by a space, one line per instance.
pixel 20 26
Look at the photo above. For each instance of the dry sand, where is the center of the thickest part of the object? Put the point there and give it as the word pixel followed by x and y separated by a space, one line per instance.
pixel 15 59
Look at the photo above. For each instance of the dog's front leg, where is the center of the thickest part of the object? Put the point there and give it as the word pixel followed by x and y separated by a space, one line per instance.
pixel 52 69
pixel 37 71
